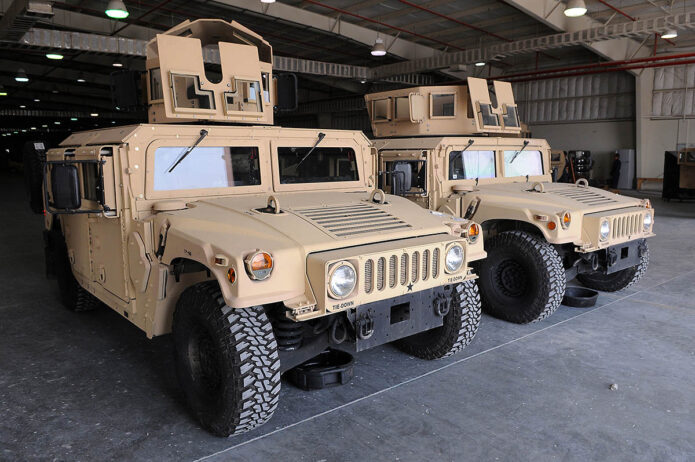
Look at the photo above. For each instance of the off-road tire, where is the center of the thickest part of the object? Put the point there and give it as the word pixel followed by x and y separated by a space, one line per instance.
pixel 226 361
pixel 619 280
pixel 459 328
pixel 522 280
pixel 73 296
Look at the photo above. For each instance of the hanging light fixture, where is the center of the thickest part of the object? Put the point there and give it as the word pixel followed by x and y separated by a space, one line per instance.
pixel 21 76
pixel 117 64
pixel 80 78
pixel 378 49
pixel 575 8
pixel 671 33
pixel 2 91
pixel 54 56
pixel 480 64
pixel 116 9
pixel 267 1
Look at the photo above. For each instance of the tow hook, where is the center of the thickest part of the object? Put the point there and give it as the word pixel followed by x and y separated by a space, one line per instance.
pixel 365 326
pixel 442 306
pixel 612 257
pixel 642 248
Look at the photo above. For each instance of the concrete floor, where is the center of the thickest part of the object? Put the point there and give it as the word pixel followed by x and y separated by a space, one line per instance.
pixel 91 387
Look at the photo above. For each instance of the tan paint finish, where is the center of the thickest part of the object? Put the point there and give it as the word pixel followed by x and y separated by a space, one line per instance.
pixel 534 200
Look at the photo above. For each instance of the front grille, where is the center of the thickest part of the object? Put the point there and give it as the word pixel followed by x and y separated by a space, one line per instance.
pixel 353 219
pixel 627 225
pixel 409 268
pixel 583 195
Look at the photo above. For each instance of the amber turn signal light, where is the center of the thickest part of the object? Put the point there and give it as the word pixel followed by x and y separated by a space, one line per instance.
pixel 259 265
pixel 473 232
pixel 231 275
pixel 566 220
pixel 552 225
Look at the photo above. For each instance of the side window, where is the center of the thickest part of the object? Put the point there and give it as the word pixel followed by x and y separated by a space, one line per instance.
pixel 206 167
pixel 156 92
pixel 90 181
pixel 523 163
pixel 468 165
pixel 443 105
pixel 322 165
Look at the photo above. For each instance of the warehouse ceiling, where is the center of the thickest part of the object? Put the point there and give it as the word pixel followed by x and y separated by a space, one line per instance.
pixel 334 31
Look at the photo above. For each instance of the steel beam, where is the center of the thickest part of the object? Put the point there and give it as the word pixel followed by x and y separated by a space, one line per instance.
pixel 614 42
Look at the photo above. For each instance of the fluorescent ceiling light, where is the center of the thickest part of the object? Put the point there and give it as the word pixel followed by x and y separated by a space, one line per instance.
pixel 480 64
pixel 670 34
pixel 54 56
pixel 575 8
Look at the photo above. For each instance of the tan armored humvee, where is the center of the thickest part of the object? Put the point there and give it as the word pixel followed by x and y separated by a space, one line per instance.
pixel 450 149
pixel 257 246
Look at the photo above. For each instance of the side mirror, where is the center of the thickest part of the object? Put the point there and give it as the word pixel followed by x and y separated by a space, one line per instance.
pixel 401 179
pixel 285 92
pixel 418 108
pixel 65 187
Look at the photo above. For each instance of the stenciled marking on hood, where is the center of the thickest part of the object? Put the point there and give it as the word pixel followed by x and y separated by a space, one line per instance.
pixel 583 195
pixel 352 219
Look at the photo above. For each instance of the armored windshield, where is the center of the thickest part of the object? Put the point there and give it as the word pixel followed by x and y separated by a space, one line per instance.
pixel 467 165
pixel 324 165
pixel 523 163
pixel 206 167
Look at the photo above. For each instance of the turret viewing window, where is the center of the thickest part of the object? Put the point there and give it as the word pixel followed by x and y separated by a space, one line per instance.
pixel 322 165
pixel 523 163
pixel 245 98
pixel 402 108
pixel 189 95
pixel 443 105
pixel 381 110
pixel 510 117
pixel 468 165
pixel 206 167
pixel 487 117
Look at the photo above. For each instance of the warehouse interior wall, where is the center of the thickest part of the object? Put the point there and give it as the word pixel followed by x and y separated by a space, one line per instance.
pixel 602 138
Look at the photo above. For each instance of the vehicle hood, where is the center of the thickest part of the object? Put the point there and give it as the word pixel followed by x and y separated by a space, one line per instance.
pixel 314 221
pixel 556 197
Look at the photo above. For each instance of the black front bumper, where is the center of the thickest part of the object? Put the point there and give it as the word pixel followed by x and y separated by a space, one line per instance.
pixel 388 320
pixel 609 260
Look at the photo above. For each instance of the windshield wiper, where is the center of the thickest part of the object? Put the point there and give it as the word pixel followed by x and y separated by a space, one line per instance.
pixel 321 137
pixel 203 134
pixel 516 154
pixel 470 143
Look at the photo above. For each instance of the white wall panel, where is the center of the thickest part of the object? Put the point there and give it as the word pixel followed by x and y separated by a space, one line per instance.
pixel 673 91
pixel 608 96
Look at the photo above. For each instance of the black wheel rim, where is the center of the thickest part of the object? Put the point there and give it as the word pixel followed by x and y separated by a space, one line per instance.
pixel 510 277
pixel 204 360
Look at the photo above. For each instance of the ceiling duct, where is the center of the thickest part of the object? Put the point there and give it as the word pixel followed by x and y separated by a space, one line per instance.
pixel 21 16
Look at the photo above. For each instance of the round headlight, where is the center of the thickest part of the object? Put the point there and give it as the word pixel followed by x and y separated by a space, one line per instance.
pixel 647 221
pixel 342 280
pixel 454 258
pixel 605 230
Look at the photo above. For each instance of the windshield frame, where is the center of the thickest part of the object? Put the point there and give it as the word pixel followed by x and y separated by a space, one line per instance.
pixel 210 142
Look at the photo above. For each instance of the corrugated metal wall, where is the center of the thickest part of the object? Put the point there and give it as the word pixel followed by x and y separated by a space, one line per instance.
pixel 674 89
pixel 609 96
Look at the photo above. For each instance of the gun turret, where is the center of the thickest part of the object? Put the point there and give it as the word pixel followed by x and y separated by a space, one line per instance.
pixel 444 110
pixel 180 90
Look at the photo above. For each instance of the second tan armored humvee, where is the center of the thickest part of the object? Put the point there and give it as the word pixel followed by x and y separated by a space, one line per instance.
pixel 256 246
pixel 455 150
